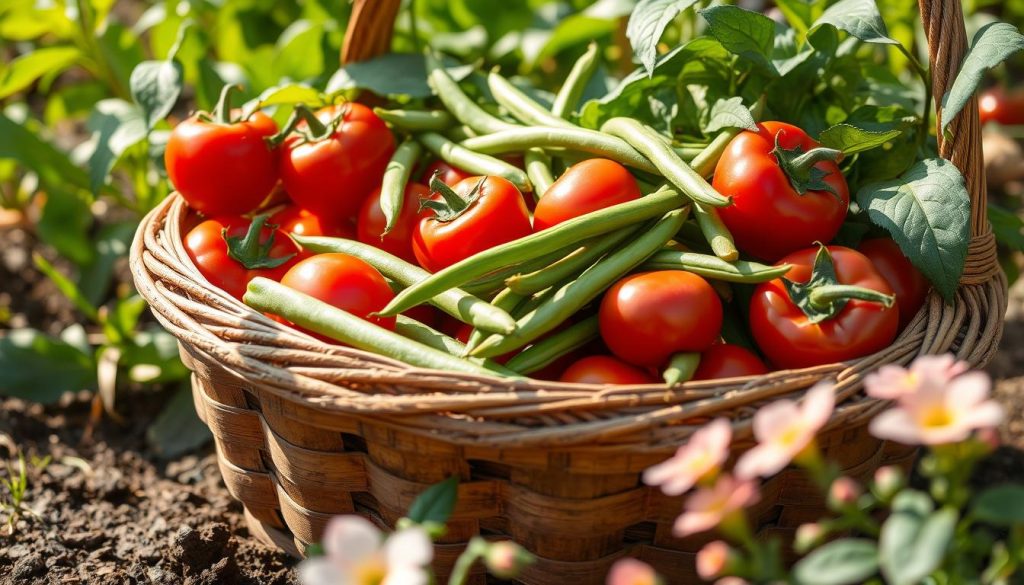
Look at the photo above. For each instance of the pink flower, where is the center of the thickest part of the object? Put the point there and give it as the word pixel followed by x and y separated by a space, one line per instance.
pixel 808 536
pixel 714 559
pixel 357 554
pixel 703 454
pixel 891 382
pixel 843 492
pixel 940 413
pixel 709 507
pixel 629 571
pixel 784 429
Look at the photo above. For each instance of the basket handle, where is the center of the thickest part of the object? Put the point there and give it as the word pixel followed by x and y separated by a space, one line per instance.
pixel 372 22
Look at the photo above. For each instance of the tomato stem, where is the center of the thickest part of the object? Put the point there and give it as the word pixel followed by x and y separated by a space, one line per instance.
pixel 800 169
pixel 454 204
pixel 248 250
pixel 222 111
pixel 823 296
pixel 317 129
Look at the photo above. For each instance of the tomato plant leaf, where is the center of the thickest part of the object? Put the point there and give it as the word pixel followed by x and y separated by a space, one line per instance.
pixel 851 139
pixel 391 74
pixel 914 539
pixel 729 113
pixel 927 212
pixel 25 69
pixel 37 367
pixel 859 18
pixel 750 35
pixel 992 44
pixel 1007 226
pixel 116 126
pixel 155 87
pixel 646 25
pixel 436 503
pixel 1001 505
pixel 177 429
pixel 65 225
pixel 841 562
pixel 800 14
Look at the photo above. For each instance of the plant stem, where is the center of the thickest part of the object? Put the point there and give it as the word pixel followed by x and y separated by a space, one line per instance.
pixel 926 79
pixel 823 296
pixel 476 549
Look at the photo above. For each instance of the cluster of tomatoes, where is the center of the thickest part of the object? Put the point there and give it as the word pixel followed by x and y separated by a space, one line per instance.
pixel 321 177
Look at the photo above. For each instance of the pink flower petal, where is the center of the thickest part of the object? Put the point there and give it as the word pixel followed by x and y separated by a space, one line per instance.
pixel 350 539
pixel 762 461
pixel 319 571
pixel 895 424
pixel 818 405
pixel 888 383
pixel 968 390
pixel 690 523
pixel 409 548
pixel 407 575
pixel 985 415
pixel 629 571
pixel 773 418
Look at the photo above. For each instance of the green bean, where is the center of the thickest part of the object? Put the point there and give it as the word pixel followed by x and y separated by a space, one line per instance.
pixel 474 162
pixel 315 315
pixel 688 153
pixel 581 139
pixel 740 271
pixel 681 368
pixel 496 280
pixel 521 106
pixel 460 133
pixel 458 103
pixel 538 169
pixel 396 177
pixel 416 120
pixel 568 265
pixel 649 143
pixel 572 90
pixel 715 232
pixel 457 303
pixel 535 245
pixel 506 300
pixel 549 349
pixel 572 296
pixel 416 331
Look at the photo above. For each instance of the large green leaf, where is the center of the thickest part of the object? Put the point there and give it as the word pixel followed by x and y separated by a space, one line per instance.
pixel 859 18
pixel 842 562
pixel 54 167
pixel 110 244
pixel 914 539
pixel 116 126
pixel 24 70
pixel 992 45
pixel 155 87
pixel 851 139
pixel 391 74
pixel 298 54
pixel 750 35
pixel 65 225
pixel 729 113
pixel 177 430
pixel 927 211
pixel 38 367
pixel 646 25
pixel 436 503
pixel 1001 505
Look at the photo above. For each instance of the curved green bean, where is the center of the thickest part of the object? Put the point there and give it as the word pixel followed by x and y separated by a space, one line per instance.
pixel 521 106
pixel 315 315
pixel 457 303
pixel 458 103
pixel 416 120
pixel 538 169
pixel 474 162
pixel 549 349
pixel 396 177
pixel 534 245
pixel 421 333
pixel 650 144
pixel 572 90
pixel 506 300
pixel 740 271
pixel 681 368
pixel 572 296
pixel 568 265
pixel 581 139
pixel 495 281
pixel 715 232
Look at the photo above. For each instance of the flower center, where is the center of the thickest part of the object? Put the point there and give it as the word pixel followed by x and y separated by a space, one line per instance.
pixel 371 572
pixel 790 435
pixel 936 416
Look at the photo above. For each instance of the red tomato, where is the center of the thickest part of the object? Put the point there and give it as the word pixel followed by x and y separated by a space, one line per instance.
pixel 768 217
pixel 222 169
pixel 724 360
pixel 603 369
pixel 586 186
pixel 998 105
pixel 647 317
pixel 449 175
pixel 398 241
pixel 345 282
pixel 789 339
pixel 332 176
pixel 908 284
pixel 300 222
pixel 232 271
pixel 495 214
pixel 425 314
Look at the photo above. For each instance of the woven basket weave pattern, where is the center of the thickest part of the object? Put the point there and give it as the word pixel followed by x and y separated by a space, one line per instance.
pixel 306 430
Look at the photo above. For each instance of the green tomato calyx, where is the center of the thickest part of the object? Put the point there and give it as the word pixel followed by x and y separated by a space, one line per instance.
pixel 800 167
pixel 823 297
pixel 249 251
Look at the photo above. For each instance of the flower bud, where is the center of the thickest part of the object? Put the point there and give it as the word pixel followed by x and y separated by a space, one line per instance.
pixel 888 481
pixel 808 536
pixel 732 581
pixel 715 560
pixel 843 493
pixel 990 436
pixel 505 559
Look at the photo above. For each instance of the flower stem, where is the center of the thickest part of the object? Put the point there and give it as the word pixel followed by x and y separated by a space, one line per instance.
pixel 476 549
pixel 823 296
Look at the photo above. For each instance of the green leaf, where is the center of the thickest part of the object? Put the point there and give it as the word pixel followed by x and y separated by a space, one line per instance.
pixel 178 430
pixel 24 70
pixel 67 288
pixel 289 93
pixel 927 212
pixel 1001 505
pixel 299 54
pixel 110 244
pixel 859 18
pixel 646 25
pixel 41 368
pixel 65 225
pixel 992 44
pixel 1007 226
pixel 152 357
pixel 116 126
pixel 750 35
pixel 387 75
pixel 840 562
pixel 436 503
pixel 729 113
pixel 799 13
pixel 851 139
pixel 914 539
pixel 155 87
pixel 54 168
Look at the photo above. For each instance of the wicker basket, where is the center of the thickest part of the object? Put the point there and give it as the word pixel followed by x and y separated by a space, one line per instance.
pixel 306 430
